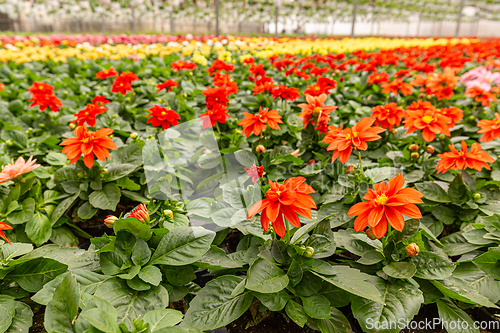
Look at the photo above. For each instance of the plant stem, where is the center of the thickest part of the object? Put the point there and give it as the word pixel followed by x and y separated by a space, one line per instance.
pixel 217 127
pixel 287 236
pixel 361 164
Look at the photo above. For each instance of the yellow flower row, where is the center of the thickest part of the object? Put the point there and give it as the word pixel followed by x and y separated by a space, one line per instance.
pixel 259 47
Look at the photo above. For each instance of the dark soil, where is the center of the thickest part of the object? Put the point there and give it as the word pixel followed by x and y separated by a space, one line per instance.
pixel 37 326
pixel 276 322
pixel 232 240
pixel 179 306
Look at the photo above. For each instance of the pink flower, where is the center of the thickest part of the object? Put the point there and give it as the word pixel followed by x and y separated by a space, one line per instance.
pixel 480 77
pixel 14 170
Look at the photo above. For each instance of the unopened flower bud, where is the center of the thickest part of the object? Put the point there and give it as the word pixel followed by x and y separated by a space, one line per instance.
pixel 104 171
pixel 29 131
pixel 295 153
pixel 284 142
pixel 341 79
pixel 309 252
pixel 369 234
pixel 168 213
pixel 394 131
pixel 477 196
pixel 110 220
pixel 442 136
pixel 260 149
pixel 311 161
pixel 134 135
pixel 415 155
pixel 9 143
pixel 79 175
pixel 471 117
pixel 65 92
pixel 412 250
pixel 413 147
pixel 72 126
pixel 430 149
pixel 42 125
pixel 351 168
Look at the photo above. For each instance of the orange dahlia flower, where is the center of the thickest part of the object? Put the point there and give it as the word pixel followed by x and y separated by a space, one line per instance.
pixel 424 116
pixel 490 128
pixel 377 78
pixel 256 123
pixel 386 204
pixel 453 113
pixel 316 112
pixel 441 84
pixel 140 213
pixel 4 226
pixel 342 141
pixel 19 168
pixel 476 158
pixel 388 115
pixel 287 199
pixel 480 95
pixel 88 144
pixel 396 86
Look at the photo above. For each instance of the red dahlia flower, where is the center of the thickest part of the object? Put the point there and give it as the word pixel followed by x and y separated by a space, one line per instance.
pixel 256 172
pixel 378 78
pixel 161 116
pixel 167 84
pixel 123 83
pixel 100 100
pixel 396 86
pixel 480 95
pixel 316 112
pixel 42 94
pixel 215 96
pixel 183 65
pixel 287 199
pixel 218 66
pixel 386 204
pixel 284 92
pixel 106 73
pixel 217 114
pixel 88 115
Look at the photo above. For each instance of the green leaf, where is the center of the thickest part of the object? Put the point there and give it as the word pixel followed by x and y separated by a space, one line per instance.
pixel 135 227
pixel 458 191
pixel 296 313
pixel 117 171
pixel 450 313
pixel 347 278
pixel 214 307
pixel 432 266
pixel 141 253
pixel 15 249
pixel 7 309
pixel 456 244
pixel 400 270
pixel 433 192
pixel 161 318
pixel 39 229
pixel 63 308
pixel 274 302
pixel 266 277
pixel 338 323
pixel 316 306
pixel 62 208
pixel 401 300
pixel 22 320
pixel 107 198
pixel 26 214
pixel 217 259
pixel 130 304
pixel 98 313
pixel 86 211
pixel 489 262
pixel 444 214
pixel 183 246
pixel 151 275
pixel 33 274
pixel 462 291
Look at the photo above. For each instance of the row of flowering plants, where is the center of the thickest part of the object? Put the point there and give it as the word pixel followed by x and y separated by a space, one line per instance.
pixel 337 192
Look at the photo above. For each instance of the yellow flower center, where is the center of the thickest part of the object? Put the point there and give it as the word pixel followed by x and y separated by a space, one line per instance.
pixel 163 113
pixel 497 122
pixel 427 119
pixel 316 88
pixel 86 113
pixel 85 140
pixel 278 193
pixel 382 199
pixel 40 87
pixel 317 110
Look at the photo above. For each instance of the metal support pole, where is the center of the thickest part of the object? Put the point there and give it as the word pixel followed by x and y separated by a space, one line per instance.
pixel 276 20
pixel 103 23
pixel 459 20
pixel 217 17
pixel 171 21
pixel 134 28
pixel 418 25
pixel 354 9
